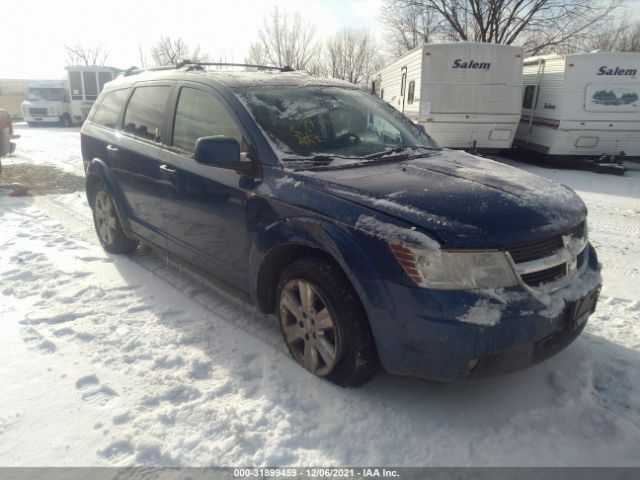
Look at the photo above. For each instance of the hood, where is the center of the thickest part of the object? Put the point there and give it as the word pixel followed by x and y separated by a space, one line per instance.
pixel 462 200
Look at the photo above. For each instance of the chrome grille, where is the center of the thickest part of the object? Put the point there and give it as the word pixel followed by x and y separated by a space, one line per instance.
pixel 552 259
pixel 530 251
pixel 544 276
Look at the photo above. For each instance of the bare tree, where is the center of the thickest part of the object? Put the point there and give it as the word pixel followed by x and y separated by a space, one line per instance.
pixel 168 51
pixel 284 41
pixel 621 37
pixel 408 26
pixel 79 54
pixel 350 54
pixel 536 24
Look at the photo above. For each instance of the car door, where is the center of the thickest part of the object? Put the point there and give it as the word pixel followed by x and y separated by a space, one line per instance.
pixel 205 207
pixel 137 156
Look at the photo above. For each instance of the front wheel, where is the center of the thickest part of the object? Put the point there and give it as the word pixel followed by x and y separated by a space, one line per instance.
pixel 66 121
pixel 108 228
pixel 324 324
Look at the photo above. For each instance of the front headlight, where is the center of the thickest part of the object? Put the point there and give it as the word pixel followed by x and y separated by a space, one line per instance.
pixel 455 270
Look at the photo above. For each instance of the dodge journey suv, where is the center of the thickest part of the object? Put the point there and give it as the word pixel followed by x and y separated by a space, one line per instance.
pixel 372 245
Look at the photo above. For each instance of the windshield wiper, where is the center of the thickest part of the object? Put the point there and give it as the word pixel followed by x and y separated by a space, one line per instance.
pixel 314 158
pixel 398 152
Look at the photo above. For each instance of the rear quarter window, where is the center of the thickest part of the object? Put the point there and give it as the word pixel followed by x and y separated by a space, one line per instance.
pixel 108 111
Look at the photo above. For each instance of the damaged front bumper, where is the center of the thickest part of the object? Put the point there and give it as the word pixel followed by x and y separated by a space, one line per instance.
pixel 461 335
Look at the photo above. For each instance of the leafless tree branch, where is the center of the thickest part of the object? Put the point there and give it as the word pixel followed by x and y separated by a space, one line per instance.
pixel 79 54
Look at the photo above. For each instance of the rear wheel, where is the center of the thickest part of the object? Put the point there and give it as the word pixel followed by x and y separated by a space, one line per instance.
pixel 108 228
pixel 323 323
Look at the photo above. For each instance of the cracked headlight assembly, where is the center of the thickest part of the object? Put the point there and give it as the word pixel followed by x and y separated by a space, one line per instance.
pixel 455 270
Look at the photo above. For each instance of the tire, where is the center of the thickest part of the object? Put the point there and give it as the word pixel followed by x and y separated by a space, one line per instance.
pixel 65 121
pixel 319 311
pixel 108 228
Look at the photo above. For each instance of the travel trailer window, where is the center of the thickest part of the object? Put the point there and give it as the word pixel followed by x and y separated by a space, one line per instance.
pixel 90 85
pixel 76 85
pixel 529 94
pixel 623 98
pixel 103 77
pixel 382 93
pixel 403 83
pixel 412 91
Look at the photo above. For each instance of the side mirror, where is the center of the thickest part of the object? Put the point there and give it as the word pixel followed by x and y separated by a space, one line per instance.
pixel 222 152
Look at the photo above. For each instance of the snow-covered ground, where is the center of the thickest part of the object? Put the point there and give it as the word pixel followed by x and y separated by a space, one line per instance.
pixel 112 360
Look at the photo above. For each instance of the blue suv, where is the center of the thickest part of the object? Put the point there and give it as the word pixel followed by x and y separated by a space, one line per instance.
pixel 370 243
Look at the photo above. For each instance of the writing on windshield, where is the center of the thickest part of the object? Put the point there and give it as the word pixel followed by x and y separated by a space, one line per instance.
pixel 312 120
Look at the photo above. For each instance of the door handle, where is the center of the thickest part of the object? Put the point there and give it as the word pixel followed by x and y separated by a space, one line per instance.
pixel 112 149
pixel 166 170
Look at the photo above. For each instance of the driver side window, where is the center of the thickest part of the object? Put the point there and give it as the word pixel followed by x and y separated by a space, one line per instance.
pixel 200 114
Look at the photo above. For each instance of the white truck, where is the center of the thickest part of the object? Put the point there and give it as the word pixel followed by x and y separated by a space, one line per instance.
pixel 581 105
pixel 47 102
pixel 66 102
pixel 466 95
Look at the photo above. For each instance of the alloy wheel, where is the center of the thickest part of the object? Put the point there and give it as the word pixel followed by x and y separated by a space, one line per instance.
pixel 105 217
pixel 309 327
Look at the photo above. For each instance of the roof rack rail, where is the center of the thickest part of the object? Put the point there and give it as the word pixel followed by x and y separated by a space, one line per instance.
pixel 137 70
pixel 190 64
pixel 199 65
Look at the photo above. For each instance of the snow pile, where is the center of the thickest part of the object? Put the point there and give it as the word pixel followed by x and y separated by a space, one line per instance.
pixel 394 233
pixel 555 302
pixel 286 180
pixel 483 313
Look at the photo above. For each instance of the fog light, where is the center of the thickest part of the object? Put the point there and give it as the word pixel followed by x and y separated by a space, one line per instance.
pixel 473 364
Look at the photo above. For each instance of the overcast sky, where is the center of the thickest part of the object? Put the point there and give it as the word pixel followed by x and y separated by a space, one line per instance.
pixel 34 31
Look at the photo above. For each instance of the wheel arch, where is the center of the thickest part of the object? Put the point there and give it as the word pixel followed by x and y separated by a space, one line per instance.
pixel 288 240
pixel 97 171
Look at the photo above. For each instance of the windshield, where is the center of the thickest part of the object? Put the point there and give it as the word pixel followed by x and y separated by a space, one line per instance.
pixel 51 94
pixel 332 121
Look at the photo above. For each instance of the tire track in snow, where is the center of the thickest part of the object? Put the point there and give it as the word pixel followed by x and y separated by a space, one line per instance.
pixel 216 298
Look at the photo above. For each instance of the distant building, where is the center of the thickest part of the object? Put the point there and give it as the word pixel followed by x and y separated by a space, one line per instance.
pixel 12 94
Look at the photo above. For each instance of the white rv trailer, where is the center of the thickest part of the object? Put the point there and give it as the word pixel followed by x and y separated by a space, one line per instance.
pixel 466 95
pixel 584 104
pixel 85 83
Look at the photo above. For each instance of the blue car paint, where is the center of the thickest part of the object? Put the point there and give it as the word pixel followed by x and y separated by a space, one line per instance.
pixel 417 331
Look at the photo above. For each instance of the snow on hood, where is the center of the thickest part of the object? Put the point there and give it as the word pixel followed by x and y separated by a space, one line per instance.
pixel 394 233
pixel 463 200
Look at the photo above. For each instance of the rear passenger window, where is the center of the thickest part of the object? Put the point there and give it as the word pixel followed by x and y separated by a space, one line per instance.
pixel 200 114
pixel 109 109
pixel 145 111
